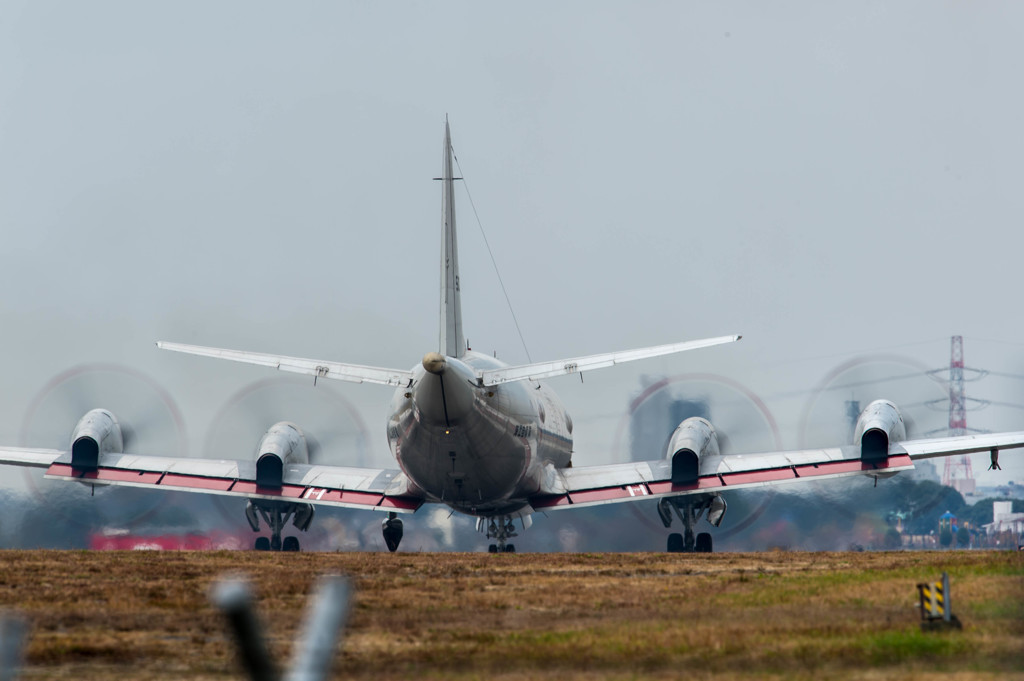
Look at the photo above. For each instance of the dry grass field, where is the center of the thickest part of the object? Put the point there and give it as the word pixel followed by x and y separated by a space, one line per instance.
pixel 146 615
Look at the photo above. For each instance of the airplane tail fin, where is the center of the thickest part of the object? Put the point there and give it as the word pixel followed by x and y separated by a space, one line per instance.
pixel 452 341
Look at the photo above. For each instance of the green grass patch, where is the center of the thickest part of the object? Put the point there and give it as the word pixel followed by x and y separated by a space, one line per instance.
pixel 1010 608
pixel 911 645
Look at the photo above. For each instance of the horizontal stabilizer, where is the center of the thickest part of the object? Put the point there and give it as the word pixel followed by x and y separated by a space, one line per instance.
pixel 535 372
pixel 311 367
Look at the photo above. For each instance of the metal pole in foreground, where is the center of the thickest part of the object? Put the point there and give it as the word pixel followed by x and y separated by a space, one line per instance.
pixel 234 597
pixel 322 630
pixel 13 631
pixel 947 611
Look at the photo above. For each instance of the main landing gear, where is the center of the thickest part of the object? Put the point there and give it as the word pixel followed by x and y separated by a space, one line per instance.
pixel 392 529
pixel 685 543
pixel 276 515
pixel 501 529
pixel 689 512
pixel 276 543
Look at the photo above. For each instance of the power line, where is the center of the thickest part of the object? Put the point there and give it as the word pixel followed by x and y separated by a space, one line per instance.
pixel 491 254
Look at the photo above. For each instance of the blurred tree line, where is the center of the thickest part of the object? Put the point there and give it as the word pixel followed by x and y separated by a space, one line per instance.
pixel 834 515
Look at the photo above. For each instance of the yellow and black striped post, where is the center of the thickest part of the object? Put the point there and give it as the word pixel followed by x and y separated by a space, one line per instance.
pixel 933 599
pixel 936 604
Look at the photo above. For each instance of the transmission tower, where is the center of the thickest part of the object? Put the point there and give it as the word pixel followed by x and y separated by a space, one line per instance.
pixel 958 473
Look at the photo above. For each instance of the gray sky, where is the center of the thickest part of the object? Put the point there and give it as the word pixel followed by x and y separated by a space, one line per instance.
pixel 828 181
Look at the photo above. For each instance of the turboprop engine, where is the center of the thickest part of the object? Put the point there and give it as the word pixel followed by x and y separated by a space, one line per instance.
pixel 692 443
pixel 878 425
pixel 694 440
pixel 98 432
pixel 282 444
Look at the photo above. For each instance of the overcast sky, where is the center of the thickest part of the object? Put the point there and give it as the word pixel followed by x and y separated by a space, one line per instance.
pixel 831 182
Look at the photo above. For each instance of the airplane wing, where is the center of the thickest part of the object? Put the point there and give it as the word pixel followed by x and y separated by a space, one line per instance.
pixel 613 483
pixel 962 444
pixel 535 372
pixel 350 487
pixel 352 373
pixel 34 458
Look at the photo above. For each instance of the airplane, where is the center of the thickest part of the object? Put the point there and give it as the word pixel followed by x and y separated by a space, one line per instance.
pixel 486 439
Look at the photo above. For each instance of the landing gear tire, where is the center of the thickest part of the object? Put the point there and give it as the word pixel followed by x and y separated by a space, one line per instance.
pixel 689 512
pixel 277 514
pixel 500 528
pixel 392 529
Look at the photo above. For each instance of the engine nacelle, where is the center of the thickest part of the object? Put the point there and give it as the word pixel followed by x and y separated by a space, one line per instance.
pixel 694 440
pixel 98 432
pixel 282 444
pixel 878 425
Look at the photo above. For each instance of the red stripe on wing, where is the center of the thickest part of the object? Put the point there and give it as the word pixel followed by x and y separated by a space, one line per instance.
pixel 241 487
pixel 196 482
pixel 286 491
pixel 550 501
pixel 758 476
pixel 898 460
pixel 103 474
pixel 666 487
pixel 607 493
pixel 61 470
pixel 406 503
pixel 854 466
pixel 719 481
pixel 119 475
pixel 340 496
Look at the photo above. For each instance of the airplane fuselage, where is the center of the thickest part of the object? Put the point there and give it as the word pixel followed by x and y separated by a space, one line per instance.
pixel 482 450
